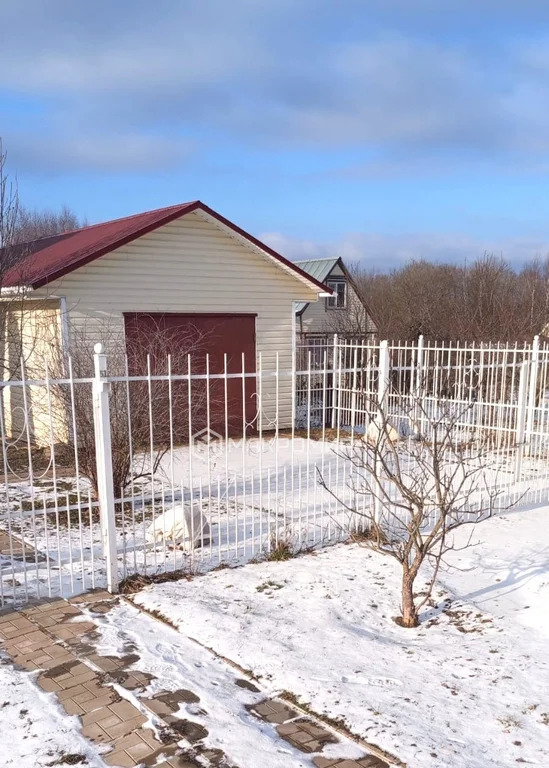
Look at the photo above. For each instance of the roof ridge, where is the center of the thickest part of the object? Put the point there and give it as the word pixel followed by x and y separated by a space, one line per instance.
pixel 109 221
pixel 324 258
pixel 68 251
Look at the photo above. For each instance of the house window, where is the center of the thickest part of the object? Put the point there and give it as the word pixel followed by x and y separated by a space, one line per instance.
pixel 339 299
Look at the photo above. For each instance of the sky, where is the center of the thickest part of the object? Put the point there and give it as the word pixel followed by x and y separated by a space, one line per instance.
pixel 376 130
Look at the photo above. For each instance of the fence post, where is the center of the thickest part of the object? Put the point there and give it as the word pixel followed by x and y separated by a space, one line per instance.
pixel 354 392
pixel 417 389
pixel 521 417
pixel 335 388
pixel 382 390
pixel 383 373
pixel 532 394
pixel 419 363
pixel 103 457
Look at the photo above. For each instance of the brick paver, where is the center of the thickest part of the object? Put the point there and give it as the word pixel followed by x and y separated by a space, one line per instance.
pixel 49 638
pixel 370 761
pixel 309 735
pixel 15 548
pixel 45 637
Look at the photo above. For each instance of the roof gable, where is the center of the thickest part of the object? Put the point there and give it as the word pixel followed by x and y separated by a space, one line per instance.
pixel 320 269
pixel 50 258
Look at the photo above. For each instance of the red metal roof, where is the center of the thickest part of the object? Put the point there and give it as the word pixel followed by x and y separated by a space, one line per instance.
pixel 50 258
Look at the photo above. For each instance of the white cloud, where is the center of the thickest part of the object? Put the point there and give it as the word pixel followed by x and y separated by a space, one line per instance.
pixel 273 74
pixel 192 45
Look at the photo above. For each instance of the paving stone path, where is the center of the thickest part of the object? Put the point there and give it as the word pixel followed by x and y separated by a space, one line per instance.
pixel 14 548
pixel 46 638
pixel 309 735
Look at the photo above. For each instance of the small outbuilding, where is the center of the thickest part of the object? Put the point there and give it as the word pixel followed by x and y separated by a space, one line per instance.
pixel 179 272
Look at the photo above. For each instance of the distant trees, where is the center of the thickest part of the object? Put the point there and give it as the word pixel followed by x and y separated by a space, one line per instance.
pixel 9 213
pixel 486 300
pixel 18 225
pixel 32 224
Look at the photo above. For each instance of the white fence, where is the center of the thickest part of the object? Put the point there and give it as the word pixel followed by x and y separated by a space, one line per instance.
pixel 98 470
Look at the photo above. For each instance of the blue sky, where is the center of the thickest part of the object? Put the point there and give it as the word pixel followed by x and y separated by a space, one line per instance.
pixel 378 130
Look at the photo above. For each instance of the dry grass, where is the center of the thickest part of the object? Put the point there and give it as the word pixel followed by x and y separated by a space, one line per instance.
pixel 367 535
pixel 72 758
pixel 280 550
pixel 138 581
pixel 358 537
pixel 315 433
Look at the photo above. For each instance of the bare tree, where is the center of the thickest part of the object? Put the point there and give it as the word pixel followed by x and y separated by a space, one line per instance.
pixel 9 212
pixel 18 227
pixel 147 417
pixel 11 306
pixel 418 490
pixel 484 300
pixel 353 322
pixel 34 224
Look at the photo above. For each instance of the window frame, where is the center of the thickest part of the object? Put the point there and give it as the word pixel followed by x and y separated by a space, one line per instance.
pixel 334 284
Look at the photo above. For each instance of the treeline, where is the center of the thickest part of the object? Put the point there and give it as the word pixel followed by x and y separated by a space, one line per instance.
pixel 31 224
pixel 486 300
pixel 19 224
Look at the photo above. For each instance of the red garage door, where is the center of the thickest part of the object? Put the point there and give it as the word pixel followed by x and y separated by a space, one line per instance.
pixel 214 340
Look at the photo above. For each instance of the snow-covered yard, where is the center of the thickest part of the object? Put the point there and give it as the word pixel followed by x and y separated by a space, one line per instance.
pixel 468 689
pixel 252 495
pixel 35 730
pixel 219 705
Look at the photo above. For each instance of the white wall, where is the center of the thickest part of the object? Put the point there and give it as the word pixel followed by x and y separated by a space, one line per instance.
pixel 32 335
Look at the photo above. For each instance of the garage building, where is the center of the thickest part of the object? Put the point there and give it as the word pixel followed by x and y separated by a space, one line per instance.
pixel 178 272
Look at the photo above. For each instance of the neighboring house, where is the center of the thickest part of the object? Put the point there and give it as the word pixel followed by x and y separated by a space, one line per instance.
pixel 344 312
pixel 184 268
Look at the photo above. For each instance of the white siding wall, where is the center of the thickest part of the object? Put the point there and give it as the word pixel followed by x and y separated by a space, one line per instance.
pixel 32 334
pixel 189 265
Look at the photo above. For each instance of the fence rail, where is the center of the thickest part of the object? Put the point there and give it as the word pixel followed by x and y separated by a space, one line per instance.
pixel 114 474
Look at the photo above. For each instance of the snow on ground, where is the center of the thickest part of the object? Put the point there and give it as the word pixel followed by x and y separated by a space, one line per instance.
pixel 505 570
pixel 177 662
pixel 468 689
pixel 252 494
pixel 35 731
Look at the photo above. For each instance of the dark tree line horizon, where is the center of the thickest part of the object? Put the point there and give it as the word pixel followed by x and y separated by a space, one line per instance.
pixel 486 300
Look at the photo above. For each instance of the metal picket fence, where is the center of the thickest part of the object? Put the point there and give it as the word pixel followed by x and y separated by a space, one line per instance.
pixel 112 474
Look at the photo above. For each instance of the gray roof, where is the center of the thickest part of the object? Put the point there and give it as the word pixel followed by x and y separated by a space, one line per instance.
pixel 317 268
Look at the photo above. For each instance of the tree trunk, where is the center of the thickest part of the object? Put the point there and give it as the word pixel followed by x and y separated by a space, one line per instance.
pixel 409 613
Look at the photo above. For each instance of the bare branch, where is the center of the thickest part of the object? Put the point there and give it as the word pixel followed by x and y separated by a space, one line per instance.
pixel 422 488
